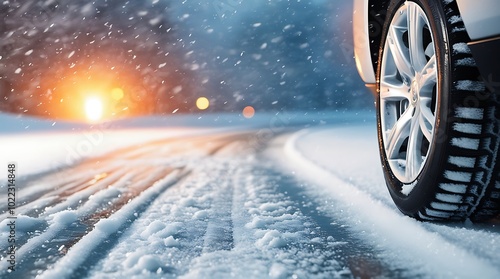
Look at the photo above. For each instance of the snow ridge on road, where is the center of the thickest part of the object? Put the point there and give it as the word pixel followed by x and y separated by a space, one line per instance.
pixel 423 249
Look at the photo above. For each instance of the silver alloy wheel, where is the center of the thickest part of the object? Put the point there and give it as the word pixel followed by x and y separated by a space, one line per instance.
pixel 408 92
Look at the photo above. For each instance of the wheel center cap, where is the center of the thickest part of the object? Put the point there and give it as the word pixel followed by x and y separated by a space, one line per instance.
pixel 414 91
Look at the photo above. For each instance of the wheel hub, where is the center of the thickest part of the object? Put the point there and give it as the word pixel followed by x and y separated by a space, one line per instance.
pixel 414 91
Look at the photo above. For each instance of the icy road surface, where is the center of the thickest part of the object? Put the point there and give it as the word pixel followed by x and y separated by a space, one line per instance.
pixel 235 202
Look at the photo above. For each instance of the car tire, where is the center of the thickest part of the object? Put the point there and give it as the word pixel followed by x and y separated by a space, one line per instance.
pixel 438 126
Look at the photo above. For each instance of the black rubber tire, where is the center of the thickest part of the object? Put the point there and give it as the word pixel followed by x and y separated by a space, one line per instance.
pixel 440 191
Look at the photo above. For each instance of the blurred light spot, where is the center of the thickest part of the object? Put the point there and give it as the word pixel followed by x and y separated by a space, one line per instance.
pixel 248 112
pixel 93 108
pixel 98 177
pixel 202 103
pixel 117 94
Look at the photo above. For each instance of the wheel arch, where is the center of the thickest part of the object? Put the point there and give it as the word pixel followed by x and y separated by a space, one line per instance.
pixel 368 20
pixel 377 14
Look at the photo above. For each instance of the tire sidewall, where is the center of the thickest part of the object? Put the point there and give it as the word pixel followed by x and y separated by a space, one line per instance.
pixel 425 186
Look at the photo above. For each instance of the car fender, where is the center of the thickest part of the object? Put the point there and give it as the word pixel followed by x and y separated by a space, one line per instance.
pixel 362 42
pixel 482 20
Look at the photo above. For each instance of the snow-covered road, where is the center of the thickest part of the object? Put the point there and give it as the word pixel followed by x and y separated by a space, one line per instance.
pixel 270 201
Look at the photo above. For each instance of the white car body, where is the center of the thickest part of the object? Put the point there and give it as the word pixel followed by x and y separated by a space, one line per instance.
pixel 481 19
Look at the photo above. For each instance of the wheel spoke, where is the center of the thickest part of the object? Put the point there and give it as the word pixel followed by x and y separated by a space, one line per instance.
pixel 392 90
pixel 429 74
pixel 427 121
pixel 400 52
pixel 415 37
pixel 399 133
pixel 413 154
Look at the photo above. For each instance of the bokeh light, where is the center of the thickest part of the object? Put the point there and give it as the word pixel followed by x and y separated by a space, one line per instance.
pixel 202 103
pixel 248 112
pixel 117 94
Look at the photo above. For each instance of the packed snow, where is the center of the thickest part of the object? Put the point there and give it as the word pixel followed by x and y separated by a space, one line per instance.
pixel 288 195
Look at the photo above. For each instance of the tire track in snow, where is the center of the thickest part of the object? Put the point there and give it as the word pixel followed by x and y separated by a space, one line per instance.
pixel 272 238
pixel 48 190
pixel 70 215
pixel 105 229
pixel 174 229
pixel 226 218
pixel 68 226
pixel 41 212
pixel 219 233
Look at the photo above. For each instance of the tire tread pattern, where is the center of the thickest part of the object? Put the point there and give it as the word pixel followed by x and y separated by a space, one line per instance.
pixel 470 184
